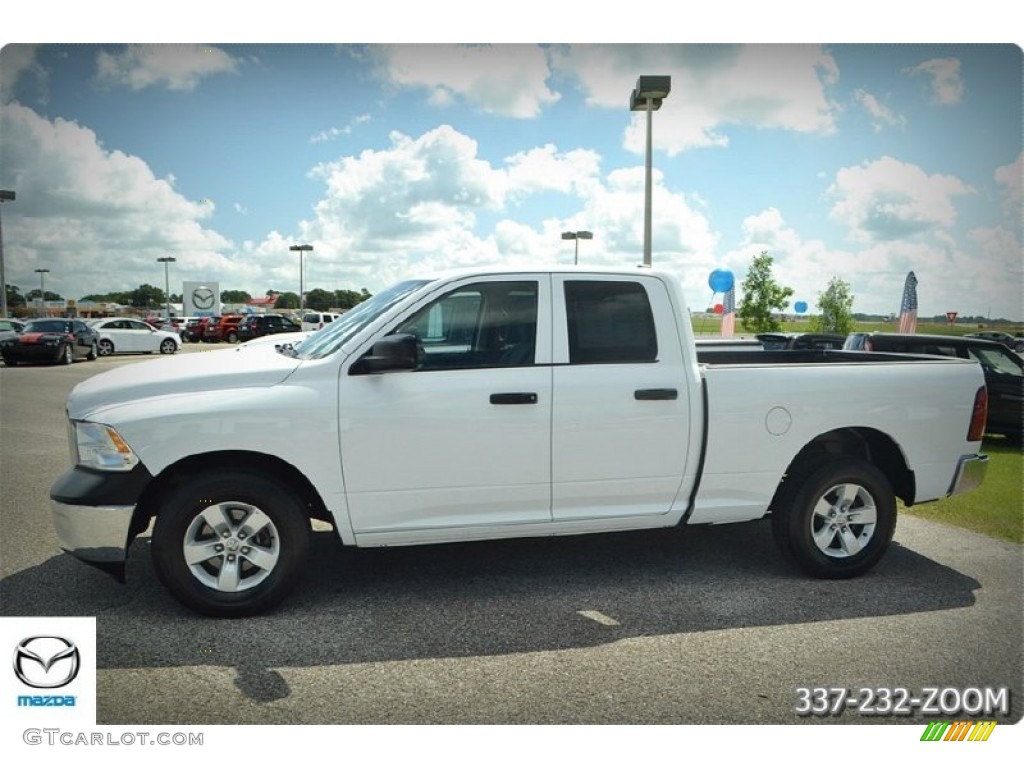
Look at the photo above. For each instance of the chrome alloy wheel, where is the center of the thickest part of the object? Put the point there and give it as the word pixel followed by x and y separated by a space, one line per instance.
pixel 231 546
pixel 844 520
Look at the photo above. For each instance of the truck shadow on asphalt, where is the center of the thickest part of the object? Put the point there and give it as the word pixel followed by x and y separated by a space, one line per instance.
pixel 479 599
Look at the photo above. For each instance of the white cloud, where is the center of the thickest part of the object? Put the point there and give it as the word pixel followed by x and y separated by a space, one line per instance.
pixel 947 85
pixel 415 207
pixel 982 275
pixel 176 67
pixel 507 80
pixel 887 199
pixel 545 169
pixel 334 133
pixel 97 219
pixel 713 86
pixel 881 115
pixel 1009 178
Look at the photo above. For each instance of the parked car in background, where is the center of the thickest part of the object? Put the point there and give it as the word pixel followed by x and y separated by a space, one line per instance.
pixel 126 334
pixel 10 328
pixel 51 341
pixel 225 329
pixel 314 321
pixel 181 325
pixel 194 329
pixel 1016 343
pixel 254 326
pixel 1003 369
pixel 802 340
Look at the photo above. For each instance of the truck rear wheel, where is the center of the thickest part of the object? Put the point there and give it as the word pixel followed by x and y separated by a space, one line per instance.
pixel 230 543
pixel 837 519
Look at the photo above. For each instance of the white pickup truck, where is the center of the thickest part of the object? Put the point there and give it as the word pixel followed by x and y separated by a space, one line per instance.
pixel 503 403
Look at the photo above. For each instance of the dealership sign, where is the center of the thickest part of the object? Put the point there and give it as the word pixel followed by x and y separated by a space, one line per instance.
pixel 200 299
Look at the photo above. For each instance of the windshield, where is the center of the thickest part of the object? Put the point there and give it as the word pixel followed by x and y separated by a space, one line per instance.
pixel 331 337
pixel 48 326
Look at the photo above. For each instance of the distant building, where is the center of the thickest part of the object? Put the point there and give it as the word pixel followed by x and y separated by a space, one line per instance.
pixel 262 303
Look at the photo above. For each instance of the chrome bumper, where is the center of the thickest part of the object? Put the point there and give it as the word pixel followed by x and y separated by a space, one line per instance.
pixel 95 535
pixel 970 471
pixel 93 513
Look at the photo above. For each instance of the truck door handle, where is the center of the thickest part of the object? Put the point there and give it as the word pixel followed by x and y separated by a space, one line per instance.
pixel 514 398
pixel 656 394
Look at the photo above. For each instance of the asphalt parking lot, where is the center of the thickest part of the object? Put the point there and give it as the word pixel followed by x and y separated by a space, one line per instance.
pixel 707 625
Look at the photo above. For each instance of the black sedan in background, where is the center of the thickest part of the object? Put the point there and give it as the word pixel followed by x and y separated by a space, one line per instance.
pixel 255 326
pixel 51 341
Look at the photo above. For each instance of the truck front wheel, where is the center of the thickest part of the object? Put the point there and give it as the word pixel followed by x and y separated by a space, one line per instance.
pixel 230 543
pixel 836 521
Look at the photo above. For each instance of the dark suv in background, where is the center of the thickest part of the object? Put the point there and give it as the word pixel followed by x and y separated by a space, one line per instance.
pixel 1003 369
pixel 1016 343
pixel 254 326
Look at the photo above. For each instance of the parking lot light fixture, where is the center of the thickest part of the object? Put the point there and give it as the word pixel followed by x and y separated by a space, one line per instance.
pixel 6 195
pixel 302 287
pixel 650 91
pixel 42 290
pixel 577 236
pixel 166 260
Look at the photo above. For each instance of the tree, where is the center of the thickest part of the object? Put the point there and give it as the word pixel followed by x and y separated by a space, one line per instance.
pixel 345 299
pixel 287 300
pixel 762 295
pixel 836 305
pixel 319 299
pixel 14 297
pixel 235 297
pixel 146 295
pixel 33 295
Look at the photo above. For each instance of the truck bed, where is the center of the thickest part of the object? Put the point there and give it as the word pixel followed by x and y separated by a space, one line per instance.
pixel 746 357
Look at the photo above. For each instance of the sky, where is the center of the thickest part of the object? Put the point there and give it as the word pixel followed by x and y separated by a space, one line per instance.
pixel 856 161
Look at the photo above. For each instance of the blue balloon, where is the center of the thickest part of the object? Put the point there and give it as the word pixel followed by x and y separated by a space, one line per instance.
pixel 800 307
pixel 721 280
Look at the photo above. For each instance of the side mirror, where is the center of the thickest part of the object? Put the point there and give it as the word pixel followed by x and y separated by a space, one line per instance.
pixel 397 352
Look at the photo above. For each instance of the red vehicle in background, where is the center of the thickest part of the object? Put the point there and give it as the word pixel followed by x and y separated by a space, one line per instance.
pixel 226 329
pixel 194 329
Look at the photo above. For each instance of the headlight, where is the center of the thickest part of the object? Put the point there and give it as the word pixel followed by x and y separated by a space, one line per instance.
pixel 98 446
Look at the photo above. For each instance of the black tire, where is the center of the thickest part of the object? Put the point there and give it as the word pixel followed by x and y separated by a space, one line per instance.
pixel 232 338
pixel 67 355
pixel 94 352
pixel 257 524
pixel 106 347
pixel 10 363
pixel 836 520
pixel 168 347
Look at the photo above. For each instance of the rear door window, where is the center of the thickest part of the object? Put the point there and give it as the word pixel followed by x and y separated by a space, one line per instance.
pixel 609 322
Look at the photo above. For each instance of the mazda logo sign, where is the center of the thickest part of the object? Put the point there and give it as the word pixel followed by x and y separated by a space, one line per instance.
pixel 202 298
pixel 46 661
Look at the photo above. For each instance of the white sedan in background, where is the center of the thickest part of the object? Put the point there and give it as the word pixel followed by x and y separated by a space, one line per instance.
pixel 126 334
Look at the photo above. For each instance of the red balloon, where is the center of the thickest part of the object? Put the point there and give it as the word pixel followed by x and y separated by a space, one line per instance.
pixel 719 309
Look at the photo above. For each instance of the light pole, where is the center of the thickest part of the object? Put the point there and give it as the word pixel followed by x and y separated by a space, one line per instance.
pixel 302 295
pixel 577 236
pixel 165 260
pixel 5 195
pixel 42 290
pixel 646 97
